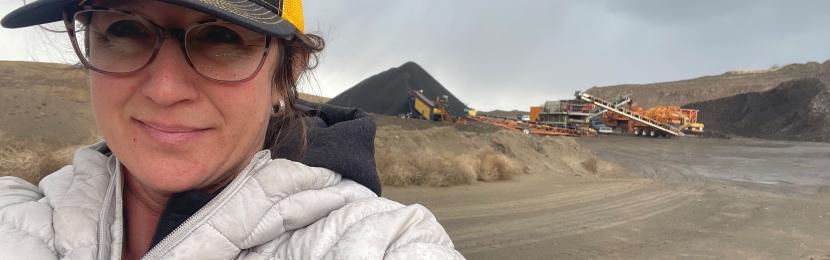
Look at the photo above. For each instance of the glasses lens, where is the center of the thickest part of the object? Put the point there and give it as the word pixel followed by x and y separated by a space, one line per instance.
pixel 224 51
pixel 113 41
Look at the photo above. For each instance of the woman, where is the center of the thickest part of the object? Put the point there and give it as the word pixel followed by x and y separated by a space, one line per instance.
pixel 195 99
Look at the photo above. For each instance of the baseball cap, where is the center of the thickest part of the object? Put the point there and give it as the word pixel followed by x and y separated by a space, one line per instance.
pixel 280 18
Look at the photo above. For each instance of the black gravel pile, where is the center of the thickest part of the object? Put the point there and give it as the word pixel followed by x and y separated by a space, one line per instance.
pixel 387 93
pixel 797 110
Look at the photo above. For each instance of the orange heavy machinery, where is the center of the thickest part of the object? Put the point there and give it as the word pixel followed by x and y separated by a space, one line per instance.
pixel 684 120
pixel 656 121
pixel 534 113
pixel 572 118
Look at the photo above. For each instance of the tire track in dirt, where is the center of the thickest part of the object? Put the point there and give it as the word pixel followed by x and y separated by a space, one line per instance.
pixel 669 188
pixel 611 213
pixel 657 170
pixel 633 196
pixel 558 199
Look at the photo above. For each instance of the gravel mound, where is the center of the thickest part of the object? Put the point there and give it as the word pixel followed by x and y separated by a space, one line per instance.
pixel 797 110
pixel 388 92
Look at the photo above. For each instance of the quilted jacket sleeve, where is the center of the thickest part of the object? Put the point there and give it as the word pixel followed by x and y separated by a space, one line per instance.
pixel 398 232
pixel 25 223
pixel 376 228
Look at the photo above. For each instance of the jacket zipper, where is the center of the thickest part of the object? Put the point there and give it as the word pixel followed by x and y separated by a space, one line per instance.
pixel 106 207
pixel 183 230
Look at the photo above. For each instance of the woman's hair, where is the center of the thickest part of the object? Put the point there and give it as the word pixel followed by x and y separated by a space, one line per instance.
pixel 287 134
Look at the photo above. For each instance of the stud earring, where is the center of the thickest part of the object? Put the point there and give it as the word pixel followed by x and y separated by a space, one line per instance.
pixel 274 110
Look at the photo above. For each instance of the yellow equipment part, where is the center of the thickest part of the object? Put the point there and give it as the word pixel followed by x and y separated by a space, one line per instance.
pixel 693 128
pixel 424 109
pixel 471 112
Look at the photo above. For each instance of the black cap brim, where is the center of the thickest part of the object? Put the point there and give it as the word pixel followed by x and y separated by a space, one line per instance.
pixel 35 13
pixel 247 15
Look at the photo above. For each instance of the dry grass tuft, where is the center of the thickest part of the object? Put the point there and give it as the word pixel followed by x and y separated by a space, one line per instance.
pixel 496 166
pixel 31 161
pixel 590 165
pixel 395 168
pixel 17 160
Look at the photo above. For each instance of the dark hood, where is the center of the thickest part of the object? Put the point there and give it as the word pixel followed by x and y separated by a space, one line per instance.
pixel 339 139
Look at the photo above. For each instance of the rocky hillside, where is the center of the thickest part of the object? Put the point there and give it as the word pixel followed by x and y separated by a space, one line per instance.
pixel 714 87
pixel 796 110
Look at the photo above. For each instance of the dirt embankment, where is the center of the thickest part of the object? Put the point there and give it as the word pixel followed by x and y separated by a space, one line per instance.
pixel 407 154
pixel 796 110
pixel 714 87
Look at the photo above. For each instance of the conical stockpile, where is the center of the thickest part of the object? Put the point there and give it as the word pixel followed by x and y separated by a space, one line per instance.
pixel 388 92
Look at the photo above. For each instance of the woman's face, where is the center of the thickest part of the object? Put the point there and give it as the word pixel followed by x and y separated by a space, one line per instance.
pixel 173 129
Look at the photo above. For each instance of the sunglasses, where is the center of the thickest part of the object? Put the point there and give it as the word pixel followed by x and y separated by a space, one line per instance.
pixel 118 42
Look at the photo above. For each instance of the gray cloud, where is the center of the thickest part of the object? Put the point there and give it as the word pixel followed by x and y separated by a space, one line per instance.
pixel 511 57
pixel 514 54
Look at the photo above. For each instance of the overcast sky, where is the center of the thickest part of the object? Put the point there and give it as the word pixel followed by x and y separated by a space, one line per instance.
pixel 518 53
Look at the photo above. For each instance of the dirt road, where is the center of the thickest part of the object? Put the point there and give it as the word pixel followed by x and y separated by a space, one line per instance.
pixel 678 199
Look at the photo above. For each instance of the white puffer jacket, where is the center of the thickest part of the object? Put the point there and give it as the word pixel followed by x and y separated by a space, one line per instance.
pixel 275 209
